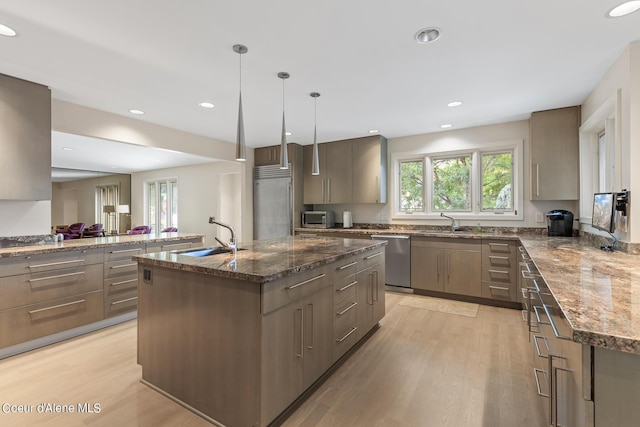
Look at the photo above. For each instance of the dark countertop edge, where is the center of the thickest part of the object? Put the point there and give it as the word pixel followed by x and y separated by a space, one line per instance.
pixel 256 278
pixel 91 243
pixel 414 233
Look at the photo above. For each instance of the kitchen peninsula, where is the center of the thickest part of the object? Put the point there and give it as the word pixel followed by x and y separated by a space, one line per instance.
pixel 238 338
pixel 52 291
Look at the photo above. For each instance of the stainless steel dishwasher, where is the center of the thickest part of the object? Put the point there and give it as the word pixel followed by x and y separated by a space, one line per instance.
pixel 397 259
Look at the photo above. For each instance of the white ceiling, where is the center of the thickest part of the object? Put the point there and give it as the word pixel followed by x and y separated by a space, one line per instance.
pixel 502 58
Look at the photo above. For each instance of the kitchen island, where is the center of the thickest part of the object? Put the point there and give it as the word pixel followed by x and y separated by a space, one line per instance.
pixel 238 339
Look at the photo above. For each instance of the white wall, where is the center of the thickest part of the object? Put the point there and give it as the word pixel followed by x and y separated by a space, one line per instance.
pixel 378 213
pixel 623 76
pixel 203 190
pixel 19 218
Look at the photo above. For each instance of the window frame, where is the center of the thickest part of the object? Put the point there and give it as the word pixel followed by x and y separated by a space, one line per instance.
pixel 515 146
pixel 171 200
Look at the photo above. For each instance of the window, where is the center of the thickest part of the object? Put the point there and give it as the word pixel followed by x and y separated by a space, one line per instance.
pixel 497 180
pixel 107 195
pixel 162 204
pixel 411 179
pixel 476 182
pixel 451 183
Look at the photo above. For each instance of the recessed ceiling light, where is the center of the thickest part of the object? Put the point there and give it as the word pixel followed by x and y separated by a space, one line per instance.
pixel 373 131
pixel 136 111
pixel 206 105
pixel 68 149
pixel 288 133
pixel 427 35
pixel 446 126
pixel 7 31
pixel 624 9
pixel 454 104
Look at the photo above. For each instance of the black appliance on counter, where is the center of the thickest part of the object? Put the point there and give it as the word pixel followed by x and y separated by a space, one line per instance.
pixel 560 223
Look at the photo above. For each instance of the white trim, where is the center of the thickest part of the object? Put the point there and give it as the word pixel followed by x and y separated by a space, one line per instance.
pixel 517 145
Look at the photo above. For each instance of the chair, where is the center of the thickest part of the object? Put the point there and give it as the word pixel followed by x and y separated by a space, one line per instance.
pixel 74 231
pixel 170 230
pixel 95 230
pixel 140 229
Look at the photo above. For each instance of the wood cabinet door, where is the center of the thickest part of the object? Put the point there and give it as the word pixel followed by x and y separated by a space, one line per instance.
pixel 318 334
pixel 339 184
pixel 364 297
pixel 282 359
pixel 427 268
pixel 314 185
pixel 463 272
pixel 378 295
pixel 369 179
pixel 554 154
pixel 266 156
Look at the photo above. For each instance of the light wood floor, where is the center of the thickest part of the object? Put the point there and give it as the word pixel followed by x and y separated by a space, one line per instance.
pixel 421 368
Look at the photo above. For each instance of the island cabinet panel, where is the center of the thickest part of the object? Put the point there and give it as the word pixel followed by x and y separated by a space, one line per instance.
pixel 345 306
pixel 297 339
pixel 200 342
pixel 370 297
pixel 446 265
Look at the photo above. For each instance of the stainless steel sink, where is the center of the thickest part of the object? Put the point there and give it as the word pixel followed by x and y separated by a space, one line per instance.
pixel 202 252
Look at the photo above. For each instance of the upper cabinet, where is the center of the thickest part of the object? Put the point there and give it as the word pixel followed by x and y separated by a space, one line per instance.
pixel 334 184
pixel 25 132
pixel 554 157
pixel 370 170
pixel 351 171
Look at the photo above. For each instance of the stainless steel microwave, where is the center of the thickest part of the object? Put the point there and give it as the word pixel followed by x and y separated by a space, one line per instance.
pixel 318 219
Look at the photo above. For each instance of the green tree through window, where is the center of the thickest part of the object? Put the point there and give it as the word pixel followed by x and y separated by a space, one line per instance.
pixel 452 183
pixel 411 186
pixel 497 181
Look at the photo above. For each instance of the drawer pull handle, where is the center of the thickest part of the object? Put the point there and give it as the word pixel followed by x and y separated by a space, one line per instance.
pixel 56 277
pixel 306 282
pixel 546 344
pixel 525 315
pixel 340 313
pixel 124 282
pixel 373 256
pixel 553 325
pixel 347 287
pixel 123 266
pixel 122 251
pixel 499 288
pixel 503 258
pixel 536 371
pixel 540 322
pixel 499 244
pixel 124 300
pixel 355 328
pixel 40 310
pixel 51 264
pixel 351 264
pixel 175 244
pixel 499 272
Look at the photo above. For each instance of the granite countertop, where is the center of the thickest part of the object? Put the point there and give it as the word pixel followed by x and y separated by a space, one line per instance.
pixel 263 261
pixel 598 291
pixel 462 233
pixel 92 243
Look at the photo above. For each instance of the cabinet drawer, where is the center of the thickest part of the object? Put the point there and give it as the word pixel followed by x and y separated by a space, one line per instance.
pixel 499 291
pixel 500 261
pixel 50 262
pixel 172 245
pixel 123 252
pixel 38 320
pixel 25 289
pixel 122 303
pixel 345 317
pixel 499 275
pixel 284 291
pixel 124 267
pixel 120 285
pixel 345 267
pixel 345 289
pixel 499 247
pixel 447 243
pixel 371 258
pixel 346 332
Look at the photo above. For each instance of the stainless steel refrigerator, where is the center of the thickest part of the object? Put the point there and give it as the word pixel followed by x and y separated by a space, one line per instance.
pixel 272 202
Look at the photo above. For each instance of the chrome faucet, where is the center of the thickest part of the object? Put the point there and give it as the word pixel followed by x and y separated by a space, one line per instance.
pixel 454 227
pixel 232 243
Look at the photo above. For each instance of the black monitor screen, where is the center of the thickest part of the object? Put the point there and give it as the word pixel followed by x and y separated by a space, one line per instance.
pixel 602 218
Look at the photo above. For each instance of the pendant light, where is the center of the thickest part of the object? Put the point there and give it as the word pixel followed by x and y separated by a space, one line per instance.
pixel 315 165
pixel 241 151
pixel 284 157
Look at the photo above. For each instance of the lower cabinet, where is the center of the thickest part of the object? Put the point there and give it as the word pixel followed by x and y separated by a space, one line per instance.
pixel 446 265
pixel 370 297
